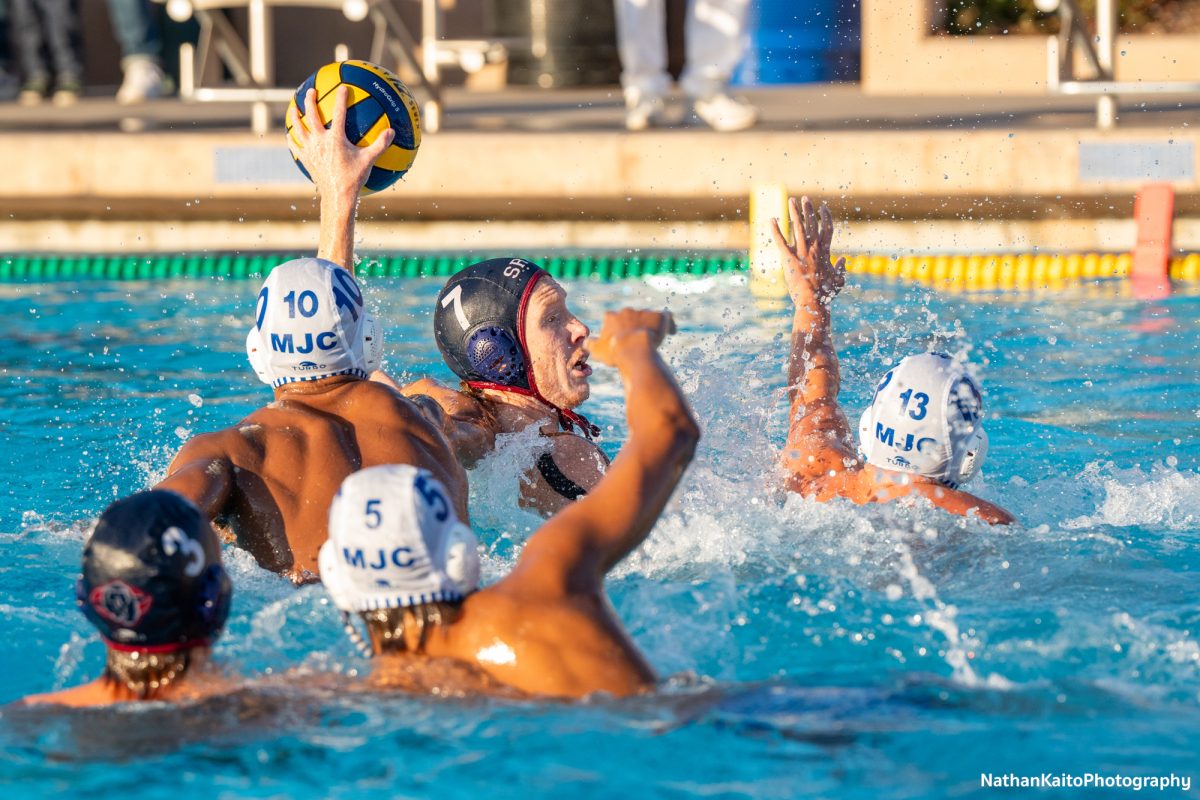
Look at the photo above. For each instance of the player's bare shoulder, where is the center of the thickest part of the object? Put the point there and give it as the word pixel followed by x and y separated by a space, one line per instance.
pixel 236 445
pixel 381 401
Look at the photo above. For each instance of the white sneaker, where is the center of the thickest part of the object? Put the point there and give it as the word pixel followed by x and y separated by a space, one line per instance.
pixel 645 113
pixel 724 113
pixel 144 80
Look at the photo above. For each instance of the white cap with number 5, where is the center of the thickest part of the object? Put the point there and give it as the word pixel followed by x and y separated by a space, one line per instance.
pixel 395 541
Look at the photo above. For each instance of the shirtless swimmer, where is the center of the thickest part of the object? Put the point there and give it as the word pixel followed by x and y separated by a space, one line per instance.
pixel 269 479
pixel 923 433
pixel 399 558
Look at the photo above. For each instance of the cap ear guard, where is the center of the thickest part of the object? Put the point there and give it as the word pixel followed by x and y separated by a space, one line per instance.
pixel 212 602
pixel 372 333
pixel 495 355
pixel 971 457
pixel 462 559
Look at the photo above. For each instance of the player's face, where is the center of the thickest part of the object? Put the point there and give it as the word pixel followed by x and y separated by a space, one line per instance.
pixel 556 342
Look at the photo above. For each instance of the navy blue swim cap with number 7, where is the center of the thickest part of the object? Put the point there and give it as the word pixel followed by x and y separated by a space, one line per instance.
pixel 479 320
pixel 479 326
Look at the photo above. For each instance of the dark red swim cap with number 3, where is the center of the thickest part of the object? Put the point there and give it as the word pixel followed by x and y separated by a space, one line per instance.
pixel 152 578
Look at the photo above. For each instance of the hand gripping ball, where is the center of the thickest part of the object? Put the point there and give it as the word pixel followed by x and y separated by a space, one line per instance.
pixel 376 100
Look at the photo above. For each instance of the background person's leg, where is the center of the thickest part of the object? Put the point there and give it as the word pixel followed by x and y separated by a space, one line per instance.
pixel 27 37
pixel 716 41
pixel 136 29
pixel 642 45
pixel 8 78
pixel 61 31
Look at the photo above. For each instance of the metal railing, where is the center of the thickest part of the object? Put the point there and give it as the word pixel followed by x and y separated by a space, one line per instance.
pixel 251 61
pixel 1099 51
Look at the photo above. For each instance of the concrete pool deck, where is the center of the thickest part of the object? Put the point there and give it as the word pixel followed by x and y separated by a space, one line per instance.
pixel 557 169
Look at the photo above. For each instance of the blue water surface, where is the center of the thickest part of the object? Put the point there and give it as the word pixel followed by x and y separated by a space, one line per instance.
pixel 807 650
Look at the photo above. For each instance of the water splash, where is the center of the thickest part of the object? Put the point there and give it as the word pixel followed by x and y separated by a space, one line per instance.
pixel 1162 497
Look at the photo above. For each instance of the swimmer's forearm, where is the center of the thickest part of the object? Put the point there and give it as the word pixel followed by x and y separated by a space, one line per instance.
pixel 813 372
pixel 337 229
pixel 817 428
pixel 619 513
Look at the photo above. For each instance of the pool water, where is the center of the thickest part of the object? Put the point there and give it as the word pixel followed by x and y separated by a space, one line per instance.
pixel 807 650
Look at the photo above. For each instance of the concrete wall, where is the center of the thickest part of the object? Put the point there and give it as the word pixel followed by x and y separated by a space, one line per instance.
pixel 901 55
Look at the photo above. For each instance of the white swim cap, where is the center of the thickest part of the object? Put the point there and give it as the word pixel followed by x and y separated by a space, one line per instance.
pixel 310 323
pixel 926 418
pixel 395 541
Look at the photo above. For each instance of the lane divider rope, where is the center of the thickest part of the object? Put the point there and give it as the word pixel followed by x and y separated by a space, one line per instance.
pixel 972 272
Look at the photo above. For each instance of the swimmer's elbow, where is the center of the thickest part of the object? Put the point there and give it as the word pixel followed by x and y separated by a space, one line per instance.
pixel 998 516
pixel 685 434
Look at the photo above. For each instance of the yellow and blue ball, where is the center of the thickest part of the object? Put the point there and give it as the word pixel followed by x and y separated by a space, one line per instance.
pixel 377 100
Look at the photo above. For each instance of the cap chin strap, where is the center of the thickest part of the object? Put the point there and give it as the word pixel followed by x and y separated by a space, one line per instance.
pixel 568 420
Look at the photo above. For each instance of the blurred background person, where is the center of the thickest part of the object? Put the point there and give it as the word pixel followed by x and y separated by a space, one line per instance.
pixel 136 28
pixel 8 79
pixel 48 27
pixel 715 37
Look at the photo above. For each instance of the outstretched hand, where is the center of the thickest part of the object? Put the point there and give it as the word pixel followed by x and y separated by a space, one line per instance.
pixel 811 276
pixel 333 162
pixel 628 329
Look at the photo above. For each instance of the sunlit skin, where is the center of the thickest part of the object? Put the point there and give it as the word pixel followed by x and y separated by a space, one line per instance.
pixel 547 628
pixel 820 457
pixel 198 682
pixel 269 479
pixel 557 346
pixel 554 336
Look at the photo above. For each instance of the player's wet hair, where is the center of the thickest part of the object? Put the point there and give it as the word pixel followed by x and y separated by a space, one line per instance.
pixel 389 627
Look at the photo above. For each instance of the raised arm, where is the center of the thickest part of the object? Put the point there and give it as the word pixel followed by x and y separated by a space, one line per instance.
pixel 339 170
pixel 573 550
pixel 819 439
pixel 203 473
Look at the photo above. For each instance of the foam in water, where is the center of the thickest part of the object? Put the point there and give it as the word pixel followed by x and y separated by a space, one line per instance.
pixel 1162 497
